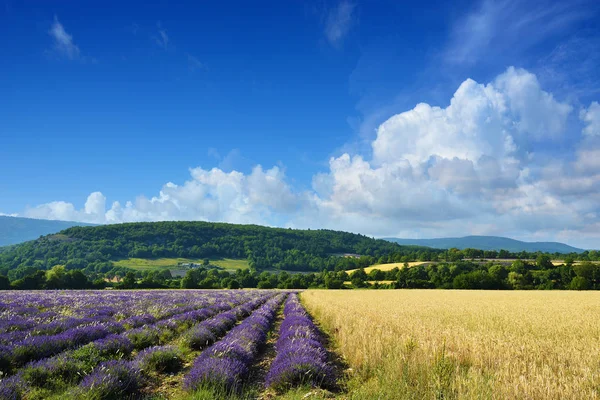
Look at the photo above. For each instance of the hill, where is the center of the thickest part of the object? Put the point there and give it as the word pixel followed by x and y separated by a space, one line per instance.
pixel 490 243
pixel 15 230
pixel 99 249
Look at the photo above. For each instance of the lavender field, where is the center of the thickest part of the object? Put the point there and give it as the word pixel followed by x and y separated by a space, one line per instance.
pixel 158 345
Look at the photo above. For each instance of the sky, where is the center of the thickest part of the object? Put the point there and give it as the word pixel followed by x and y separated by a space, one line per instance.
pixel 386 118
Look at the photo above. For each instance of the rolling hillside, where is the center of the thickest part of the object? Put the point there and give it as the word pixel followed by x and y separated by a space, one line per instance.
pixel 15 230
pixel 100 248
pixel 489 243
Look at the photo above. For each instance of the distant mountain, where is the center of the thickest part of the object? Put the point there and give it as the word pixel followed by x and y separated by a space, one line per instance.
pixel 489 243
pixel 15 230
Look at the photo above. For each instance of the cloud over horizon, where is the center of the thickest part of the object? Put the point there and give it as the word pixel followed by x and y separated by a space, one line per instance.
pixel 492 162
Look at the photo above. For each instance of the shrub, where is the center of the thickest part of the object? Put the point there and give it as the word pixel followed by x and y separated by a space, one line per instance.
pixel 160 359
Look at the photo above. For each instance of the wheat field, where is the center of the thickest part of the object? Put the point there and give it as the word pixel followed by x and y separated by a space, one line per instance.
pixel 430 344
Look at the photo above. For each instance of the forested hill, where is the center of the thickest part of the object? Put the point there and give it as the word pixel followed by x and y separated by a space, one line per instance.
pixel 93 248
pixel 15 230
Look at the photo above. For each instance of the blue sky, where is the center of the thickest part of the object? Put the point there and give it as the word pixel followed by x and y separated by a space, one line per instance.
pixel 382 117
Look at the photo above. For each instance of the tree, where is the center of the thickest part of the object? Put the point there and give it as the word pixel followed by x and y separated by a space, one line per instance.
pixel 579 283
pixel 34 281
pixel 55 278
pixel 498 272
pixel 376 275
pixel 129 282
pixel 76 279
pixel 476 280
pixel 4 283
pixel 332 281
pixel 190 280
pixel 543 261
pixel 516 280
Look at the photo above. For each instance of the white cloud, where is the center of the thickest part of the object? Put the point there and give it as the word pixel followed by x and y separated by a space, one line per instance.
pixel 212 195
pixel 194 63
pixel 63 42
pixel 162 39
pixel 339 21
pixel 591 118
pixel 494 120
pixel 475 166
pixel 506 27
pixel 93 210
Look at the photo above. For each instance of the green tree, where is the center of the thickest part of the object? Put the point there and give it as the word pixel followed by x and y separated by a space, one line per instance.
pixel 579 283
pixel 543 261
pixel 55 278
pixel 129 282
pixel 34 281
pixel 4 283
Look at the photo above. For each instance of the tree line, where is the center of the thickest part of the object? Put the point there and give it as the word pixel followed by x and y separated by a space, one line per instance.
pixel 540 274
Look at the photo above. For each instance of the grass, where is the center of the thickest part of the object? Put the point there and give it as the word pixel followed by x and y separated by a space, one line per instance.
pixel 413 344
pixel 230 263
pixel 145 264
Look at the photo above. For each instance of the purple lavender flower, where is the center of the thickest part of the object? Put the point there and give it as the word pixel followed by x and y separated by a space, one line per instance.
pixel 199 337
pixel 11 388
pixel 301 357
pixel 113 344
pixel 225 364
pixel 112 380
pixel 220 372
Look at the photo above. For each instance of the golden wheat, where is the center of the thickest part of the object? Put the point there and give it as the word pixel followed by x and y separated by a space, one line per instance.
pixel 464 344
pixel 388 266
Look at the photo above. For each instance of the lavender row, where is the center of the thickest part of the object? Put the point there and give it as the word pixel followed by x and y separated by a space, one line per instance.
pixel 71 366
pixel 301 357
pixel 37 347
pixel 115 379
pixel 126 309
pixel 226 363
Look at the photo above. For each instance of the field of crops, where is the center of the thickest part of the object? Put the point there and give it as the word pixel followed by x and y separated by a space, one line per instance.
pixel 264 344
pixel 145 264
pixel 453 344
pixel 158 345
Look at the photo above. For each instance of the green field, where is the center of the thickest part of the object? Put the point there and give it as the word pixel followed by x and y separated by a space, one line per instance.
pixel 145 264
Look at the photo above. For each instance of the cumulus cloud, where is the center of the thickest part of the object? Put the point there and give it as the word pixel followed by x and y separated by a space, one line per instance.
pixel 93 210
pixel 63 42
pixel 591 118
pixel 475 166
pixel 339 21
pixel 214 195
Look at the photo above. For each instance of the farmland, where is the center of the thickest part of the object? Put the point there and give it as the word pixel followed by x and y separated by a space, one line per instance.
pixel 158 344
pixel 264 344
pixel 464 344
pixel 145 264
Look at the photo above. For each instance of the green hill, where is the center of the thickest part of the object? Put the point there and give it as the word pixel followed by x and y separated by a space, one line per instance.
pixel 99 248
pixel 490 243
pixel 15 230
